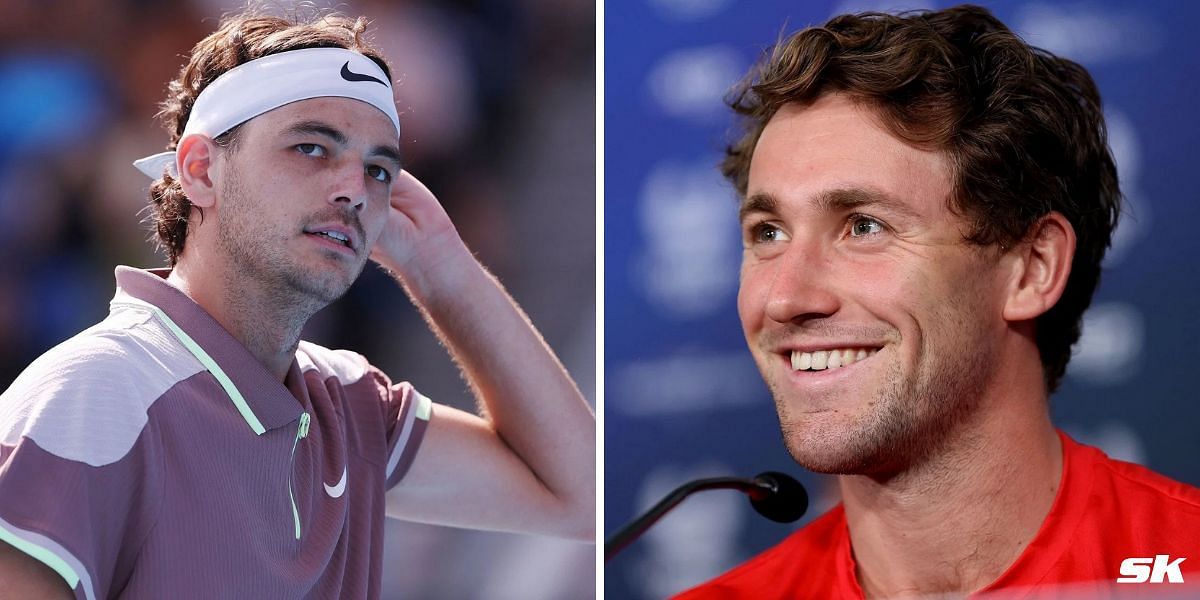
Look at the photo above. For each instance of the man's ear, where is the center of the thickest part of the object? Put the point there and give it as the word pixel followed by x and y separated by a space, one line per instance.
pixel 1041 267
pixel 196 155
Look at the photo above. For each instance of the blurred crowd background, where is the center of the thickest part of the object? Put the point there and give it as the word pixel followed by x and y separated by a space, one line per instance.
pixel 683 398
pixel 497 104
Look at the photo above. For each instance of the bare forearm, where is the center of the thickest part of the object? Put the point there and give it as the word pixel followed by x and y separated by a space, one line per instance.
pixel 524 391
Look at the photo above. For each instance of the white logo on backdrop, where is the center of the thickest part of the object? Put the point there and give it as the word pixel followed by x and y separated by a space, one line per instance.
pixel 688 263
pixel 696 541
pixel 1109 350
pixel 692 82
pixel 1088 33
pixel 1135 210
pixel 686 382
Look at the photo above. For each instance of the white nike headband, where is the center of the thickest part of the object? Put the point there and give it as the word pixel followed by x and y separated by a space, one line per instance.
pixel 253 88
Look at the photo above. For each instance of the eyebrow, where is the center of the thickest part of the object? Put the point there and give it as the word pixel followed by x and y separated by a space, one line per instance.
pixel 835 200
pixel 844 199
pixel 391 153
pixel 756 203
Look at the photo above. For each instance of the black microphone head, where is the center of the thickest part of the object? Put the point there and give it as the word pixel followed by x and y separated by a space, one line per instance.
pixel 786 500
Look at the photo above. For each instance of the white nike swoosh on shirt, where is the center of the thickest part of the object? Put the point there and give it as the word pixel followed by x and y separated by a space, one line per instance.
pixel 337 490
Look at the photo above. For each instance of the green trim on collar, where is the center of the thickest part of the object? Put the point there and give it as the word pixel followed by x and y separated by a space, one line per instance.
pixel 239 401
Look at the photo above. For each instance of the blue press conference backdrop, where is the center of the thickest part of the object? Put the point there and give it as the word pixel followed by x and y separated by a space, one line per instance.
pixel 683 397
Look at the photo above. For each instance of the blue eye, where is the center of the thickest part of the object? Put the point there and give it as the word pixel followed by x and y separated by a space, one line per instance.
pixel 861 226
pixel 310 150
pixel 379 174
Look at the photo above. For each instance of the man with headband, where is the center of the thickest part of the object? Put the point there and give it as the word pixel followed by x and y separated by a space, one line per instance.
pixel 191 441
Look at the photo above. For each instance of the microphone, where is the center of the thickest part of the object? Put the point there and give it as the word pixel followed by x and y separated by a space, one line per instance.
pixel 776 496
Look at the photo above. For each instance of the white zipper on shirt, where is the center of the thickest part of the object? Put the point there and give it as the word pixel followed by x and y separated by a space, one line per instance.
pixel 301 433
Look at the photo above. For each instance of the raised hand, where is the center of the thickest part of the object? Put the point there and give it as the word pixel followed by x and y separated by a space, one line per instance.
pixel 418 238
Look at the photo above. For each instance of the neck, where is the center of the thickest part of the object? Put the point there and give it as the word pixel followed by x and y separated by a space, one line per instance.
pixel 267 321
pixel 955 523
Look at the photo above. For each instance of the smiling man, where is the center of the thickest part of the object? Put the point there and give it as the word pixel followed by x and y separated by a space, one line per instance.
pixel 926 201
pixel 191 444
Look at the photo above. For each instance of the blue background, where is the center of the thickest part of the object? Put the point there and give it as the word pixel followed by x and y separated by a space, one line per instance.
pixel 683 398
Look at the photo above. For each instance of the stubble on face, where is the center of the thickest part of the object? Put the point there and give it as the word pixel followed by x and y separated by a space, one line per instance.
pixel 912 415
pixel 912 286
pixel 257 249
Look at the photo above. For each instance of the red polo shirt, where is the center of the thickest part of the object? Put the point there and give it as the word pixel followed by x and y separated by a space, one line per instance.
pixel 1106 511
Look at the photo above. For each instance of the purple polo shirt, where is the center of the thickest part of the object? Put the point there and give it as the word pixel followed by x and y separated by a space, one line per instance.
pixel 151 456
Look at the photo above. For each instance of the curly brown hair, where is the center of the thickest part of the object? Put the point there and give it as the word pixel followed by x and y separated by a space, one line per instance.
pixel 238 39
pixel 1023 129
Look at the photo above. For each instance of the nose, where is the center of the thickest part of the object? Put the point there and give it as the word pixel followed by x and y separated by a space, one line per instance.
pixel 801 287
pixel 349 185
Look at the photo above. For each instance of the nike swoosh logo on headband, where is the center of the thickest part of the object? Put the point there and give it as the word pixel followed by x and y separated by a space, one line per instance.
pixel 349 75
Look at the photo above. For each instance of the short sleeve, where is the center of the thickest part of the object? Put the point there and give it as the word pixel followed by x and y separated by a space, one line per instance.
pixel 407 414
pixel 80 465
pixel 85 522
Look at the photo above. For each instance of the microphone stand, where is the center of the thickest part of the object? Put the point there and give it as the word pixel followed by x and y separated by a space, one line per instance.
pixel 762 490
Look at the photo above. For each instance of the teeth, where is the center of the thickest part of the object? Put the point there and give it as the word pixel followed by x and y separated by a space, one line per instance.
pixel 801 361
pixel 820 359
pixel 829 359
pixel 335 236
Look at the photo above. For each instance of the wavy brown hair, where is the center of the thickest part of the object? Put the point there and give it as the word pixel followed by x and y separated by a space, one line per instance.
pixel 238 39
pixel 1023 129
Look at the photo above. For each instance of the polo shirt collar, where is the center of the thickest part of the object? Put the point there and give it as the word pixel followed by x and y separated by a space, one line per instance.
pixel 263 401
